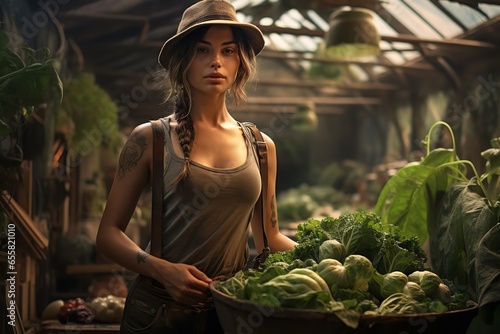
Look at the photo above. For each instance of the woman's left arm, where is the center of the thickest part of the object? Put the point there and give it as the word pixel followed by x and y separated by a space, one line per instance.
pixel 277 241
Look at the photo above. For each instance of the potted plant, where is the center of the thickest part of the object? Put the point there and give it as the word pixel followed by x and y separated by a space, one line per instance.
pixel 28 78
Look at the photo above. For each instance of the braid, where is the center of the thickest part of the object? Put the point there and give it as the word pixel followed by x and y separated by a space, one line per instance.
pixel 185 133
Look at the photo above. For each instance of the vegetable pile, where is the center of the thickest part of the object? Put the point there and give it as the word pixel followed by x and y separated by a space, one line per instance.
pixel 76 310
pixel 107 309
pixel 359 233
pixel 350 265
pixel 460 216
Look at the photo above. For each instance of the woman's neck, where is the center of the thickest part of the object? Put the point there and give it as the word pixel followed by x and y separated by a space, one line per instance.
pixel 210 109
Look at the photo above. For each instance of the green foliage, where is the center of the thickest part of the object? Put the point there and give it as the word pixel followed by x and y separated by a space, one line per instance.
pixel 431 284
pixel 333 272
pixel 294 205
pixel 28 78
pixel 434 199
pixel 492 174
pixel 402 200
pixel 393 282
pixel 92 112
pixel 300 203
pixel 399 303
pixel 332 249
pixel 414 290
pixel 359 271
pixel 361 233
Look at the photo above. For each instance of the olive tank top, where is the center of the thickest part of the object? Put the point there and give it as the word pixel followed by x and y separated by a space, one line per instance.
pixel 206 219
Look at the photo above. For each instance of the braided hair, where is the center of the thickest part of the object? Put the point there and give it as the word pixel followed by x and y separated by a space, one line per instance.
pixel 180 94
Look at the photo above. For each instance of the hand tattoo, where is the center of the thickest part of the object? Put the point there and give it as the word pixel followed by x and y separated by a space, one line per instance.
pixel 131 154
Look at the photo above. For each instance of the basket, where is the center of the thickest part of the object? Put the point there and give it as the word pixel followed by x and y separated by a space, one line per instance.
pixel 242 316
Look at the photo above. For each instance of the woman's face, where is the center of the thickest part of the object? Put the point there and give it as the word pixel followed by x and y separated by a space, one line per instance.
pixel 215 63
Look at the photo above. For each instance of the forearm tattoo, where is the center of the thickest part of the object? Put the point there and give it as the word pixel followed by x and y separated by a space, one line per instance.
pixel 132 152
pixel 142 256
pixel 274 214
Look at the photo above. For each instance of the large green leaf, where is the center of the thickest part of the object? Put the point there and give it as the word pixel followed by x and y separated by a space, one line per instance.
pixel 488 267
pixel 408 196
pixel 492 174
pixel 463 218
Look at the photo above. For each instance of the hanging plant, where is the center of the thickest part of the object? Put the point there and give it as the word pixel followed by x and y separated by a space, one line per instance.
pixel 89 116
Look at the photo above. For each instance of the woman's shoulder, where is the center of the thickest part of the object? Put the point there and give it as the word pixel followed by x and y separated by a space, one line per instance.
pixel 142 130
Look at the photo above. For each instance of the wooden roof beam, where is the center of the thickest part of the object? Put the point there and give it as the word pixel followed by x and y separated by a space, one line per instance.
pixel 404 38
pixel 114 18
pixel 291 56
pixel 298 100
pixel 368 86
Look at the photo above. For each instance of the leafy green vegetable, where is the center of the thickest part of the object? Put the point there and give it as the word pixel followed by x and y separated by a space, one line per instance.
pixel 359 271
pixel 333 272
pixel 296 289
pixel 399 303
pixel 414 290
pixel 393 282
pixel 332 249
pixel 361 233
pixel 457 214
pixel 431 284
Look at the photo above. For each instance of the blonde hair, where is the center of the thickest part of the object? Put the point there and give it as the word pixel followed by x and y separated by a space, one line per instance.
pixel 175 74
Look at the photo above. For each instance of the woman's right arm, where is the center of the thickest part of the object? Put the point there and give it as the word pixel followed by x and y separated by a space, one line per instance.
pixel 184 282
pixel 132 176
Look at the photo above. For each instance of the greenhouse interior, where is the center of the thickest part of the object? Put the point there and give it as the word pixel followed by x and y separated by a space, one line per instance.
pixel 381 120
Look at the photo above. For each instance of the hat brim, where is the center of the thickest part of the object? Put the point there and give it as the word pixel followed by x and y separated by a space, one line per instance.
pixel 254 35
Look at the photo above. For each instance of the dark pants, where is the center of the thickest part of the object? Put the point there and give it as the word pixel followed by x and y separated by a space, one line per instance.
pixel 149 309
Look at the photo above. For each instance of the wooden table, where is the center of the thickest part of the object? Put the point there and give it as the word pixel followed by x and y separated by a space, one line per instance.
pixel 55 327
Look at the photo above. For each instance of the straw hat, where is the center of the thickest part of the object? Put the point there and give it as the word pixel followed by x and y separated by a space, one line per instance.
pixel 208 12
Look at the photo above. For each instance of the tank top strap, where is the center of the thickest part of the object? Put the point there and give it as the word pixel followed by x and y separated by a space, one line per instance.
pixel 166 134
pixel 250 141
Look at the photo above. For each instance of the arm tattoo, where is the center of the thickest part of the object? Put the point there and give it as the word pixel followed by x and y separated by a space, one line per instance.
pixel 131 154
pixel 274 215
pixel 142 256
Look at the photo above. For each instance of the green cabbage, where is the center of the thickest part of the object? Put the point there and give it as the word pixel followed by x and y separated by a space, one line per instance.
pixel 399 303
pixel 359 271
pixel 393 283
pixel 299 289
pixel 414 290
pixel 333 272
pixel 431 284
pixel 332 249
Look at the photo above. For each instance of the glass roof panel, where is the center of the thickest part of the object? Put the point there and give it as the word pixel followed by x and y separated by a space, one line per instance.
pixel 238 4
pixel 395 57
pixel 411 20
pixel 467 15
pixel 408 55
pixel 318 20
pixel 435 17
pixel 490 10
pixel 287 21
pixel 279 42
pixel 384 28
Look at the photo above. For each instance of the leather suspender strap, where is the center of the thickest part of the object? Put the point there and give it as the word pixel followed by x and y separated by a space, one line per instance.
pixel 261 146
pixel 157 189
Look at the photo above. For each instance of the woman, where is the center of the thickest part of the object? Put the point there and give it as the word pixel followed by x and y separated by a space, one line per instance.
pixel 211 179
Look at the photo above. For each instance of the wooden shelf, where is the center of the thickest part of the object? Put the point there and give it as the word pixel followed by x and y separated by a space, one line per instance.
pixel 104 268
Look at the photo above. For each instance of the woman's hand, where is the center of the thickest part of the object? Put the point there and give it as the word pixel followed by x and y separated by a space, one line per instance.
pixel 185 283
